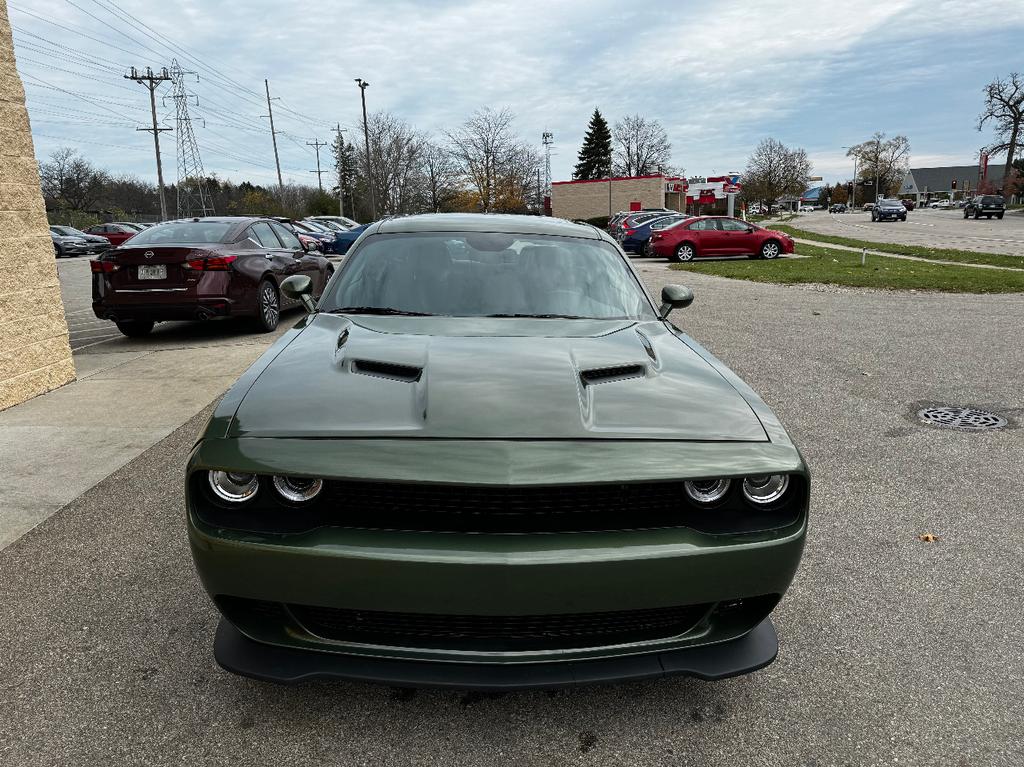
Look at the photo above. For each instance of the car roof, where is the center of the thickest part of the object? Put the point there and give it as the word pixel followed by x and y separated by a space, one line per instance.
pixel 486 222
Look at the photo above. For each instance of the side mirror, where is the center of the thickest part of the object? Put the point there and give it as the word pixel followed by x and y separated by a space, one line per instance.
pixel 300 287
pixel 750 230
pixel 673 297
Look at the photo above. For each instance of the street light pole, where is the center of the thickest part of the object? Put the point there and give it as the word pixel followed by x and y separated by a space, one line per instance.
pixel 853 184
pixel 363 85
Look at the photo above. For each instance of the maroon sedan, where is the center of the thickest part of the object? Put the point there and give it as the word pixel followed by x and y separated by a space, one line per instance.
pixel 118 234
pixel 719 236
pixel 200 268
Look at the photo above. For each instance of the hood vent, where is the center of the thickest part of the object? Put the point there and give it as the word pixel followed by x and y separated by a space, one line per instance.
pixel 404 373
pixel 607 375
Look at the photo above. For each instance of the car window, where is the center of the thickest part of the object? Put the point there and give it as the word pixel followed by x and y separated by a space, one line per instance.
pixel 732 225
pixel 174 232
pixel 991 199
pixel 264 235
pixel 475 274
pixel 288 239
pixel 705 225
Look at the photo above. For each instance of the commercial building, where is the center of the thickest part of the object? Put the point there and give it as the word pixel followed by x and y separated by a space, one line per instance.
pixel 35 355
pixel 951 182
pixel 577 200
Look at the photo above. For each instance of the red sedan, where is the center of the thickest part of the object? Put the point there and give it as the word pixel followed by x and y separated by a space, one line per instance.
pixel 719 236
pixel 116 233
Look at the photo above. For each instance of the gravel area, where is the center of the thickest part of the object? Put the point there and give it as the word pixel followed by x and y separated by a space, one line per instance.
pixel 893 650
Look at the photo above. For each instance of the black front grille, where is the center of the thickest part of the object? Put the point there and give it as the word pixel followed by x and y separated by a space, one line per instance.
pixel 497 633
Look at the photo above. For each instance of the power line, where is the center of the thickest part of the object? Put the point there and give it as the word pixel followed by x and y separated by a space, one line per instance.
pixel 152 82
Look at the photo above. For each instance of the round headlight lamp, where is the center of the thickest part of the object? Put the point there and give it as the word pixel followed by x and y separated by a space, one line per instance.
pixel 708 490
pixel 765 489
pixel 232 486
pixel 298 489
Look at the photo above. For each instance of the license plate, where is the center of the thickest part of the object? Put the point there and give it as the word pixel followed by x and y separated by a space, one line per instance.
pixel 155 272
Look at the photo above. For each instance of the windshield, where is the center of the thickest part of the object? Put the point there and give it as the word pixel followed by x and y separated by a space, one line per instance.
pixel 991 199
pixel 175 232
pixel 470 274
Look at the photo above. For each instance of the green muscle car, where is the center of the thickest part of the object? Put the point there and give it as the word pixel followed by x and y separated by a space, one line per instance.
pixel 486 459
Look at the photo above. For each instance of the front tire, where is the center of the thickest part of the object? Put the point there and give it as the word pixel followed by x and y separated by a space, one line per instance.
pixel 770 250
pixel 1000 216
pixel 966 215
pixel 135 329
pixel 268 306
pixel 684 253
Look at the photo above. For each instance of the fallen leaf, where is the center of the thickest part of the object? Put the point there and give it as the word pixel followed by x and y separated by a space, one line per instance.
pixel 928 537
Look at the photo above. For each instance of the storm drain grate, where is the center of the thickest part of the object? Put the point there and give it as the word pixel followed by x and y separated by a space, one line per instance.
pixel 963 418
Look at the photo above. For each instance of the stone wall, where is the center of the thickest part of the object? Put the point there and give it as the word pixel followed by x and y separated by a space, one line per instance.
pixel 34 352
pixel 590 199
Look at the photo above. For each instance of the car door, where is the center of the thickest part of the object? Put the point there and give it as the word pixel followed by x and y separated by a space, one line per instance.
pixel 738 238
pixel 299 262
pixel 709 237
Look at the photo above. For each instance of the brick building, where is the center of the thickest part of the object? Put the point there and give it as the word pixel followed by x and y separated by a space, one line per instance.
pixel 605 196
pixel 35 355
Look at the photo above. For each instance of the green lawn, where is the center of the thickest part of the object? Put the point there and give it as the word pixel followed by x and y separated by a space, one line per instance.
pixel 944 254
pixel 841 267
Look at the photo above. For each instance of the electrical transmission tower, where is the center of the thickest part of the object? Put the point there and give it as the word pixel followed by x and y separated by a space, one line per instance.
pixel 193 197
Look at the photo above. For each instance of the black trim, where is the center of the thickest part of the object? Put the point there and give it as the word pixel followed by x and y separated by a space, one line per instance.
pixel 240 655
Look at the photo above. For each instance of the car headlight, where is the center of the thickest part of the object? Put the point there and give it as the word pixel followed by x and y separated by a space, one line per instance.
pixel 708 490
pixel 765 489
pixel 298 489
pixel 233 487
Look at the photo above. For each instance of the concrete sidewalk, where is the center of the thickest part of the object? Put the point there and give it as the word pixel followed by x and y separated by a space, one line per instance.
pixel 55 447
pixel 886 254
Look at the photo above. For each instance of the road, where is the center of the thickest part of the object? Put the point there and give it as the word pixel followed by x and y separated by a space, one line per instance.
pixel 931 228
pixel 893 650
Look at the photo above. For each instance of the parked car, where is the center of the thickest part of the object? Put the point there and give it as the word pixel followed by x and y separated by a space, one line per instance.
pixel 68 241
pixel 116 234
pixel 637 240
pixel 986 205
pixel 330 226
pixel 310 234
pixel 868 206
pixel 908 204
pixel 888 210
pixel 344 221
pixel 837 207
pixel 441 478
pixel 202 268
pixel 633 220
pixel 942 204
pixel 806 209
pixel 344 240
pixel 719 236
pixel 131 225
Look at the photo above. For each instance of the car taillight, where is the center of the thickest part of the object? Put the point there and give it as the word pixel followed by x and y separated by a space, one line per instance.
pixel 103 267
pixel 213 264
pixel 656 236
pixel 628 232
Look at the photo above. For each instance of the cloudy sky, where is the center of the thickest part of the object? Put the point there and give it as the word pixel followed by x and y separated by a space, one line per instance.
pixel 718 75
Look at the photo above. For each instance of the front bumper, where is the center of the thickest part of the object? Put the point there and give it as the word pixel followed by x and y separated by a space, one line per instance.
pixel 239 655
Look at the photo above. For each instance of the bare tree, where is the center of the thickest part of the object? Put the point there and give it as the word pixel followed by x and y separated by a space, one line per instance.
pixel 396 149
pixel 641 148
pixel 1004 108
pixel 493 161
pixel 440 176
pixel 774 170
pixel 71 181
pixel 883 161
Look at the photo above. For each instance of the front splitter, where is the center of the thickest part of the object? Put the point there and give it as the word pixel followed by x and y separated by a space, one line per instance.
pixel 241 655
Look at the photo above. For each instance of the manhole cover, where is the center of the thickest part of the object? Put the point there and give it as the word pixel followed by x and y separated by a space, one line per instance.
pixel 965 418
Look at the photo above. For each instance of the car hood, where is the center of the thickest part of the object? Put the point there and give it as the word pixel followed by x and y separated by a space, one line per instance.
pixel 492 379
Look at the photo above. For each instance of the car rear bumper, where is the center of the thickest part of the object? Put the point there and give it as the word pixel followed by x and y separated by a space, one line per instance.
pixel 142 308
pixel 235 653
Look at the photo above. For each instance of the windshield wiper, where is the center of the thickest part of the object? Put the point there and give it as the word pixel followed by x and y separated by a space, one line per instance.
pixel 544 316
pixel 378 310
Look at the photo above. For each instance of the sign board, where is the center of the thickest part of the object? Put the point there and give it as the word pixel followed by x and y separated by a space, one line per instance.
pixel 732 189
pixel 674 187
pixel 635 205
pixel 814 178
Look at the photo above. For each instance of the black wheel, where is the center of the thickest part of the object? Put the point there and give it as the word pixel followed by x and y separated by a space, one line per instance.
pixel 135 329
pixel 977 215
pixel 328 273
pixel 1000 216
pixel 684 252
pixel 874 218
pixel 966 214
pixel 645 249
pixel 770 249
pixel 268 306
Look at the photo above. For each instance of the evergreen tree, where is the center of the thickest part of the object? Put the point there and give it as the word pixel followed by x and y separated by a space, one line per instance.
pixel 595 158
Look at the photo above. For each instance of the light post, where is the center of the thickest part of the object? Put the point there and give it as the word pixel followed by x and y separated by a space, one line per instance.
pixel 853 184
pixel 363 85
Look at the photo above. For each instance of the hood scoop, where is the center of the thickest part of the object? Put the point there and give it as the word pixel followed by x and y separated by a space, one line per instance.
pixel 608 375
pixel 403 373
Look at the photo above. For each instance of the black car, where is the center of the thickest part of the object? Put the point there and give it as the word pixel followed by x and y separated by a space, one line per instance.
pixel 888 210
pixel 68 241
pixel 837 207
pixel 986 205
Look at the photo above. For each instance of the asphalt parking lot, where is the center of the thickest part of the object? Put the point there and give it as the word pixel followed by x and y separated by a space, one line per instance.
pixel 893 650
pixel 929 227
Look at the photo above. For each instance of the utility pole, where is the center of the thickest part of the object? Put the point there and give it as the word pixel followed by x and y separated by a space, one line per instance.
pixel 152 82
pixel 878 160
pixel 341 172
pixel 853 184
pixel 316 144
pixel 273 135
pixel 363 85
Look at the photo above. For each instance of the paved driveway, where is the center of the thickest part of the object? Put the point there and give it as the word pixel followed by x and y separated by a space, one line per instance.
pixel 894 651
pixel 931 228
